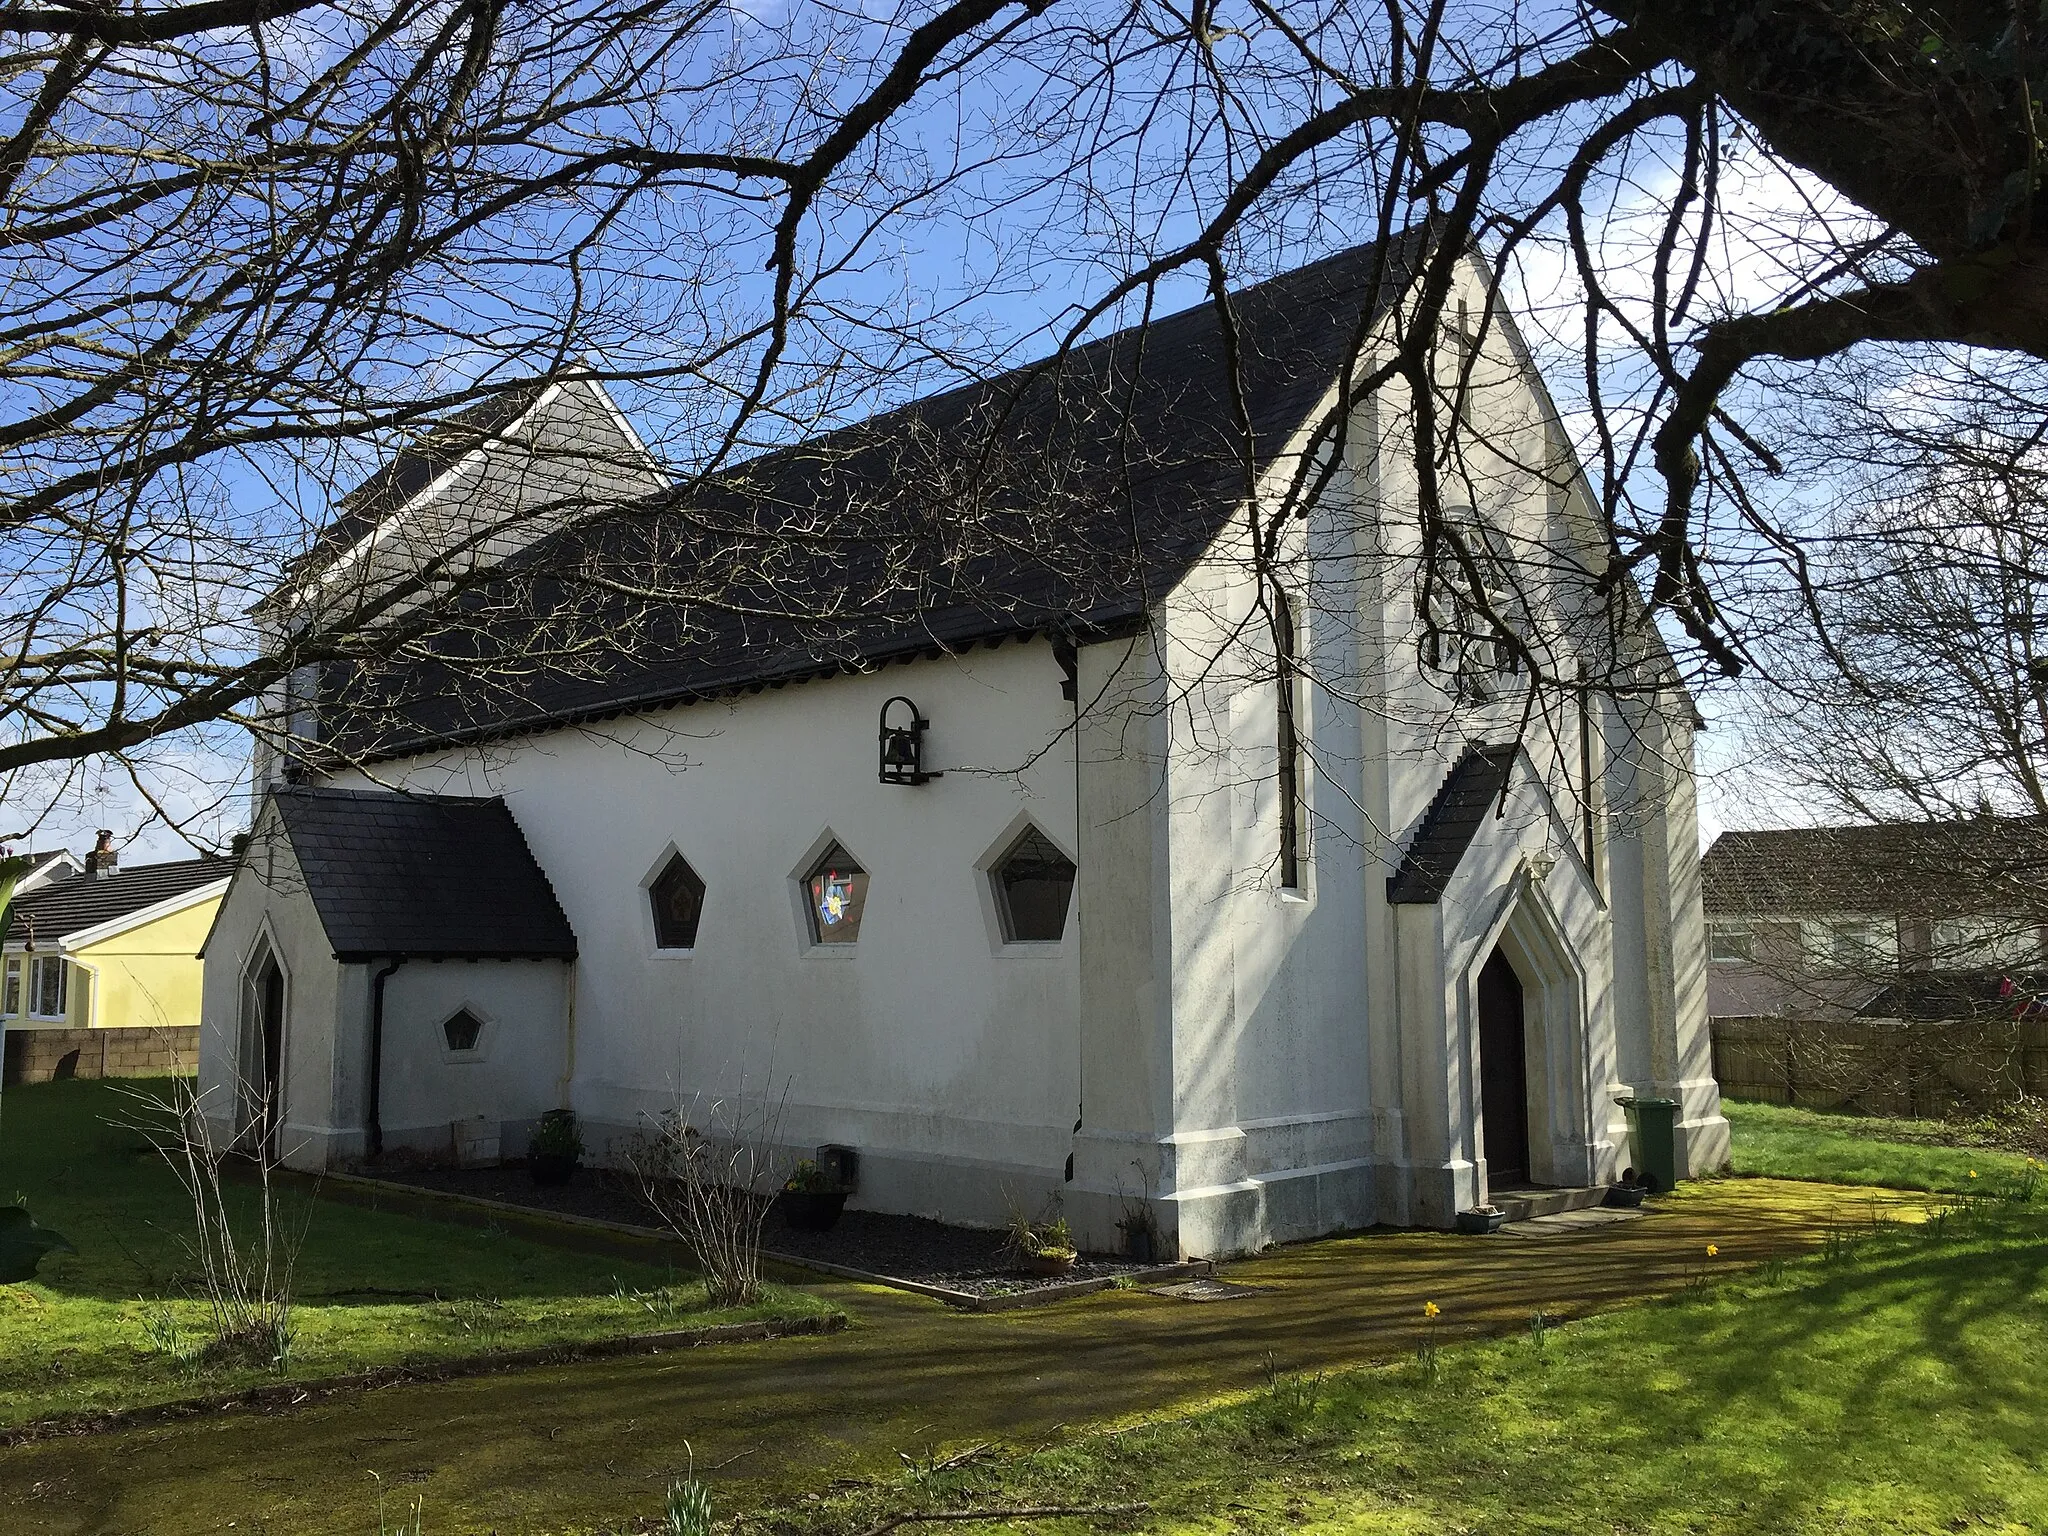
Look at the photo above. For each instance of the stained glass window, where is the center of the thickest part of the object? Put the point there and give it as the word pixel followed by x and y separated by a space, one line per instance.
pixel 678 898
pixel 836 892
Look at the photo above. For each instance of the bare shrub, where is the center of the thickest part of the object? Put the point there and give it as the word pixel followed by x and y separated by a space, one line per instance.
pixel 709 1171
pixel 245 1261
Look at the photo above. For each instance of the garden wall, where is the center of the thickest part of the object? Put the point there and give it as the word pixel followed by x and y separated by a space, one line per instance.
pixel 39 1055
pixel 1882 1066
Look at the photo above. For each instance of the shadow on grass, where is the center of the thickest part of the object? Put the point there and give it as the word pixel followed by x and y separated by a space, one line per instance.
pixel 70 1150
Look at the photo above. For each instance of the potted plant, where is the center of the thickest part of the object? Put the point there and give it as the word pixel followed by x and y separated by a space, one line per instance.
pixel 1482 1218
pixel 1141 1235
pixel 811 1199
pixel 1627 1193
pixel 1043 1247
pixel 556 1149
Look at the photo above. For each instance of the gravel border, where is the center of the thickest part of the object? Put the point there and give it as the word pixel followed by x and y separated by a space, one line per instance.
pixel 966 1266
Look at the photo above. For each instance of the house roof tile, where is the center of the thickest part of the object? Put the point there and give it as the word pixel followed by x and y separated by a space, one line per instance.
pixel 85 901
pixel 1972 864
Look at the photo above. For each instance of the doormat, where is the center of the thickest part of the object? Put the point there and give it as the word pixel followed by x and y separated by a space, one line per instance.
pixel 1561 1223
pixel 1206 1290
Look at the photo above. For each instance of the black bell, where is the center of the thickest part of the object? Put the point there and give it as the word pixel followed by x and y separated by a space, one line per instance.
pixel 903 745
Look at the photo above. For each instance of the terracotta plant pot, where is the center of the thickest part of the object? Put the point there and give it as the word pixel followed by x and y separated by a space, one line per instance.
pixel 1048 1263
pixel 811 1210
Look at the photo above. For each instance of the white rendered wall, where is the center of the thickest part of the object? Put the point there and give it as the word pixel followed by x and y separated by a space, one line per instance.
pixel 512 1076
pixel 267 902
pixel 947 1057
pixel 1320 1047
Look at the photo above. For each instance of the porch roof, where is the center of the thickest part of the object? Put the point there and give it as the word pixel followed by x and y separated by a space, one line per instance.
pixel 440 877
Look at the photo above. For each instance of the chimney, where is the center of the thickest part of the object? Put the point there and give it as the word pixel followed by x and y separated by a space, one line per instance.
pixel 102 862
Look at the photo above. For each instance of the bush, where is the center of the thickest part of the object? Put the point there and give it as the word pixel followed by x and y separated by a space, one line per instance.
pixel 712 1186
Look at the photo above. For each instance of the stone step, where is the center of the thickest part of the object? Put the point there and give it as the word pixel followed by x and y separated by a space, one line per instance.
pixel 1529 1201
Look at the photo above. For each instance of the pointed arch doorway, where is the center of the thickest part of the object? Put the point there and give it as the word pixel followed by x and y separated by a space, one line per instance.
pixel 261 1067
pixel 1503 1071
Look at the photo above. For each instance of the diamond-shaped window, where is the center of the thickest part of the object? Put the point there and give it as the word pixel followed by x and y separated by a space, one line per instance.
pixel 678 898
pixel 1034 883
pixel 462 1029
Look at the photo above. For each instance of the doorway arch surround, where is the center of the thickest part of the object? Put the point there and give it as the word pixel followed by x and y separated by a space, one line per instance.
pixel 1528 934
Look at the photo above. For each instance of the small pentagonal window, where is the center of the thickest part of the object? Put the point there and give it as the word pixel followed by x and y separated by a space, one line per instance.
pixel 462 1030
pixel 836 893
pixel 678 898
pixel 1034 882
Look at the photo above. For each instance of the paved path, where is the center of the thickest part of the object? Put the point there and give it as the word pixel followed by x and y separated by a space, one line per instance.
pixel 591 1446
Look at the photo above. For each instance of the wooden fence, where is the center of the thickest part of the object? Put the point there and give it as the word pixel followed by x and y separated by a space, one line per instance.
pixel 1883 1066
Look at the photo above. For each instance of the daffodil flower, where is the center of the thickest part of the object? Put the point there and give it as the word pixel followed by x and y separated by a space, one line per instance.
pixel 1713 1250
pixel 1430 1309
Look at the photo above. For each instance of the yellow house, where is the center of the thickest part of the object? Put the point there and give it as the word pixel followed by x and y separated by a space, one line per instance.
pixel 107 949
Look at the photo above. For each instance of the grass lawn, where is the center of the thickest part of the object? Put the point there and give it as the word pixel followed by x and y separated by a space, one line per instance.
pixel 1890 1385
pixel 1776 1141
pixel 105 1327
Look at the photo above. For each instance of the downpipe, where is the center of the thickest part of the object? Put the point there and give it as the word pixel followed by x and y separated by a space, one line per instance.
pixel 373 1131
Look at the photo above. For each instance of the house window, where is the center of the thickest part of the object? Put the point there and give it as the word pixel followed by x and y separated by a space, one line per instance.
pixel 677 896
pixel 1034 883
pixel 46 989
pixel 1849 945
pixel 1730 941
pixel 10 997
pixel 1286 645
pixel 462 1029
pixel 836 893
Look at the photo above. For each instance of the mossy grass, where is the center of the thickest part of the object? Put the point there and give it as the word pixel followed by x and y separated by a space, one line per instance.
pixel 117 1325
pixel 1886 1384
pixel 1781 1142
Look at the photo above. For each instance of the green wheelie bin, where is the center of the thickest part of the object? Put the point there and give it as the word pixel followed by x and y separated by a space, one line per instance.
pixel 1653 1141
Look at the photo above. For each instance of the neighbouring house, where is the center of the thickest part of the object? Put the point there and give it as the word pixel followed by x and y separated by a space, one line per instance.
pixel 99 970
pixel 1057 884
pixel 47 868
pixel 1835 952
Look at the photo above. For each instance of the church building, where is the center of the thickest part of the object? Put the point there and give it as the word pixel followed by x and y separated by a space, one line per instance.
pixel 1157 835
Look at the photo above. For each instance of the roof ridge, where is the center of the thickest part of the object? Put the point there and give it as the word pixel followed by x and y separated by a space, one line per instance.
pixel 345 792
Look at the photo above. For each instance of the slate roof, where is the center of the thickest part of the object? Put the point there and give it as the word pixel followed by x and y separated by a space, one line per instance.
pixel 413 468
pixel 1454 818
pixel 1063 499
pixel 86 901
pixel 423 876
pixel 1973 864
